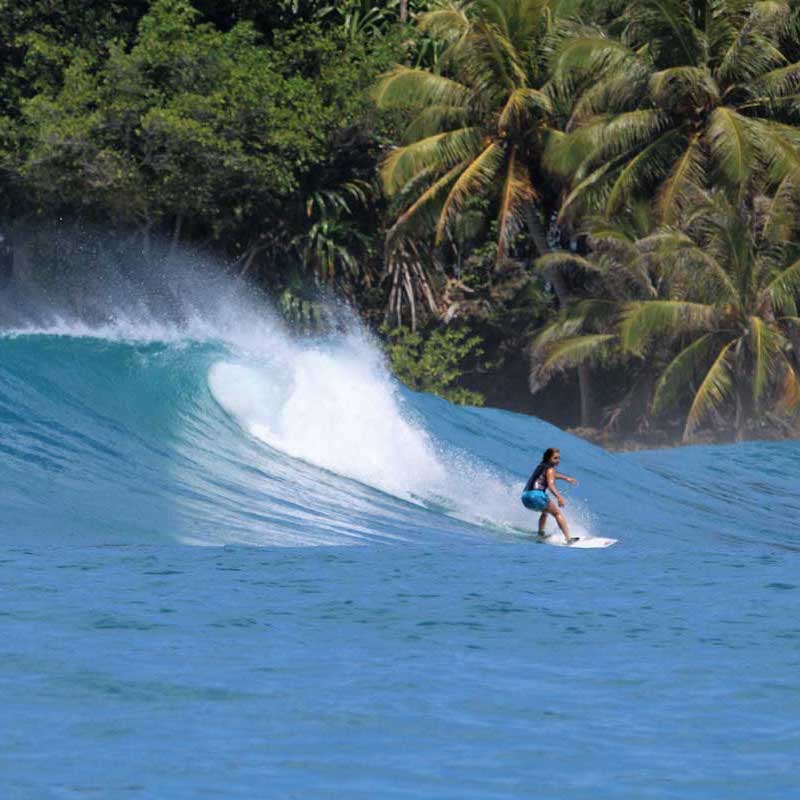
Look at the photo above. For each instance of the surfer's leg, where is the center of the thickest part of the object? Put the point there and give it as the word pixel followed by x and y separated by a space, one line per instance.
pixel 542 523
pixel 560 519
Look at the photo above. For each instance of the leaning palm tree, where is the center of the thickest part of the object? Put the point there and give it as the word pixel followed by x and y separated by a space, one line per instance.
pixel 687 95
pixel 729 316
pixel 478 128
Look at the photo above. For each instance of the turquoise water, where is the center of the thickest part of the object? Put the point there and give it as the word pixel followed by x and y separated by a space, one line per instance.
pixel 236 565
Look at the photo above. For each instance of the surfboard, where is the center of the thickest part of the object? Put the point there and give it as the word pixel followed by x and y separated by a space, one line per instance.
pixel 557 540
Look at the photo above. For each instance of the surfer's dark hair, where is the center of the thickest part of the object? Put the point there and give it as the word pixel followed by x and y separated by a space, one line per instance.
pixel 549 453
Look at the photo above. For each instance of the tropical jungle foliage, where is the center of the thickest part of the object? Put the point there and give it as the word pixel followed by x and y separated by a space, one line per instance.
pixel 601 195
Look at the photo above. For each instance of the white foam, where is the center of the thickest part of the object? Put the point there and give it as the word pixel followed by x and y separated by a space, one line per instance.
pixel 331 406
pixel 335 405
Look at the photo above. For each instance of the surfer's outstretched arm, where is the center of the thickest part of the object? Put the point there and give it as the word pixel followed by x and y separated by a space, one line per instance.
pixel 571 481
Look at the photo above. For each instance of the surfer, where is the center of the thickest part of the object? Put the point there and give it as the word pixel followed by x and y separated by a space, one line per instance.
pixel 535 495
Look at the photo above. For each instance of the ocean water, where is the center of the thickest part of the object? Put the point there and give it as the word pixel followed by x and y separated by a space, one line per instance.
pixel 235 564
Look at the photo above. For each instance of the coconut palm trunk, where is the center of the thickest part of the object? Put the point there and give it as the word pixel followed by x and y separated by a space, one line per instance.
pixel 745 407
pixel 539 238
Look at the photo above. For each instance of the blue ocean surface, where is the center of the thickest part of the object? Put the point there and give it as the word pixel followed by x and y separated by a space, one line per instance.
pixel 235 564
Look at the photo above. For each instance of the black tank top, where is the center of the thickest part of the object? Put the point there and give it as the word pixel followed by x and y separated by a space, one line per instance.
pixel 538 480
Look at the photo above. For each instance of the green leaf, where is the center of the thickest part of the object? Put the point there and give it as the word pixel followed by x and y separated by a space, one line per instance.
pixel 713 391
pixel 409 87
pixel 439 152
pixel 731 145
pixel 641 321
pixel 686 179
pixel 475 179
pixel 517 191
pixel 682 370
pixel 782 291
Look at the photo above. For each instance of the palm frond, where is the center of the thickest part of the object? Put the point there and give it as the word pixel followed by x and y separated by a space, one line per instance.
pixel 522 103
pixel 597 313
pixel 765 344
pixel 626 132
pixel 517 191
pixel 493 60
pixel 476 178
pixel 669 24
pixel 685 180
pixel 589 54
pixel 564 260
pixel 617 91
pixel 410 87
pixel 682 371
pixel 779 146
pixel 777 84
pixel 585 187
pixel 566 354
pixel 446 23
pixel 783 290
pixel 440 151
pixel 592 183
pixel 643 320
pixel 434 119
pixel 731 145
pixel 577 349
pixel 566 153
pixel 678 250
pixel 645 168
pixel 428 200
pixel 568 324
pixel 750 54
pixel 712 391
pixel 773 17
pixel 722 28
pixel 789 387
pixel 783 212
pixel 673 87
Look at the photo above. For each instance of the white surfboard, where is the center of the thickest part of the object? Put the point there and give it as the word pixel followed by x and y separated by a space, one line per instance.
pixel 558 540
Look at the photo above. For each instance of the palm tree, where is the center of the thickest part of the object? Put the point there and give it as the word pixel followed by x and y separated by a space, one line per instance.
pixel 478 127
pixel 728 312
pixel 687 95
pixel 736 332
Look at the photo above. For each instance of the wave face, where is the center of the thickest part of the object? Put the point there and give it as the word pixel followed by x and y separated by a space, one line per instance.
pixel 209 436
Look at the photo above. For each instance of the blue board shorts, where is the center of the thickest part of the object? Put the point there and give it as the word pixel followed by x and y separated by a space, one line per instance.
pixel 535 500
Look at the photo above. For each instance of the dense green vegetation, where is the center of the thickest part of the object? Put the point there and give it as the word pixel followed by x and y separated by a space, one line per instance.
pixel 591 200
pixel 436 362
